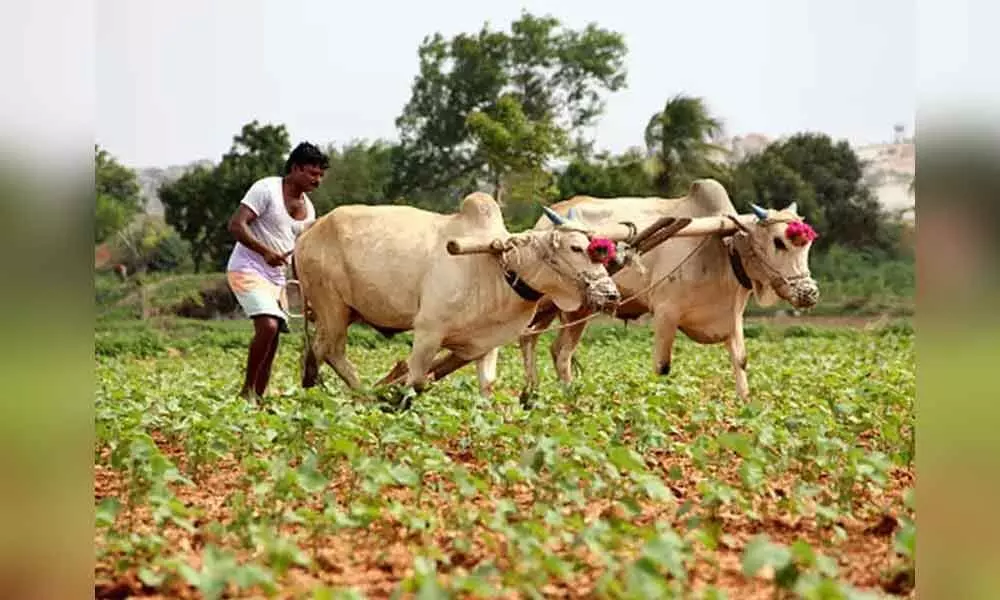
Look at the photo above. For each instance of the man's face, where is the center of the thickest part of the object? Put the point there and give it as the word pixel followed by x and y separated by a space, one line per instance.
pixel 308 177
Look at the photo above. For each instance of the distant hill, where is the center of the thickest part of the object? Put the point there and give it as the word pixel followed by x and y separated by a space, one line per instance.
pixel 151 178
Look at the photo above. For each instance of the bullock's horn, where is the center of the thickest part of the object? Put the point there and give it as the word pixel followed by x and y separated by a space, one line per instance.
pixel 573 214
pixel 553 216
pixel 760 212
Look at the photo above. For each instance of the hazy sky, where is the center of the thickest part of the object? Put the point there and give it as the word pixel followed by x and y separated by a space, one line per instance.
pixel 176 79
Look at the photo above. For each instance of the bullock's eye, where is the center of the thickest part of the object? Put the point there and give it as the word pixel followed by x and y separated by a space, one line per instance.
pixel 779 244
pixel 576 248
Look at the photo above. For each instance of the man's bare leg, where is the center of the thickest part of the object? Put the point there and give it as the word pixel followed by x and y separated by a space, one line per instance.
pixel 264 374
pixel 265 336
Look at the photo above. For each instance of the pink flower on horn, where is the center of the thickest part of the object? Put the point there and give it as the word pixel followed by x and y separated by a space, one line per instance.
pixel 800 233
pixel 601 250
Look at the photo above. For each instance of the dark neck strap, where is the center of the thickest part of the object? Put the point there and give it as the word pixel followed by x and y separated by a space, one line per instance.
pixel 737 264
pixel 521 288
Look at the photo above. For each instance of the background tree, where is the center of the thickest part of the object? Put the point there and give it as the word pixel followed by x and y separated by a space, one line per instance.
pixel 680 140
pixel 199 203
pixel 148 244
pixel 192 204
pixel 605 176
pixel 837 199
pixel 524 191
pixel 118 195
pixel 763 179
pixel 557 76
pixel 507 142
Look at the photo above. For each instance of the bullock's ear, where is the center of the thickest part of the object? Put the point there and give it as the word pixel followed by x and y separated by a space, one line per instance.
pixel 792 208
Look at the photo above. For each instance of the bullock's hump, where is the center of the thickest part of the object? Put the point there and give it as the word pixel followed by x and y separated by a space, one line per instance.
pixel 563 206
pixel 480 207
pixel 710 197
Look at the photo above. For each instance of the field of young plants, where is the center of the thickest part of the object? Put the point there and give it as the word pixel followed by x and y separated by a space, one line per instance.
pixel 625 485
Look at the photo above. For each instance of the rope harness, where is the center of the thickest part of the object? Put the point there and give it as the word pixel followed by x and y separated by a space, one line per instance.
pixel 625 300
pixel 546 255
pixel 743 240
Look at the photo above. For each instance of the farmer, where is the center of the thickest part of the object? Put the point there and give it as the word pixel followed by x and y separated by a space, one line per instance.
pixel 274 211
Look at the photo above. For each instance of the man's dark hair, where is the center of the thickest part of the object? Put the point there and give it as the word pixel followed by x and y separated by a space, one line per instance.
pixel 306 154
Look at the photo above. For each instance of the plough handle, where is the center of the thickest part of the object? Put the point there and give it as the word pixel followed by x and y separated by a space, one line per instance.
pixel 654 235
pixel 659 232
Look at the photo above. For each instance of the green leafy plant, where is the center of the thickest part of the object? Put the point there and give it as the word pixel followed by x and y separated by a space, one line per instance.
pixel 630 485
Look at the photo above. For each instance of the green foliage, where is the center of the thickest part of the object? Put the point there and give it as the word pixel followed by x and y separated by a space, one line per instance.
pixel 204 296
pixel 360 173
pixel 680 136
pixel 199 203
pixel 764 180
pixel 170 253
pixel 118 197
pixel 555 75
pixel 827 179
pixel 606 176
pixel 507 141
pixel 110 217
pixel 150 245
pixel 524 193
pixel 850 274
pixel 629 484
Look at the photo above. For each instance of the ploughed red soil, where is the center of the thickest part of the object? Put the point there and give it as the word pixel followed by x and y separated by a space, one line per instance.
pixel 375 559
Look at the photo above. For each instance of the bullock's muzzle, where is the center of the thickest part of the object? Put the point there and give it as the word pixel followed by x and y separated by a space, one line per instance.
pixel 602 295
pixel 801 293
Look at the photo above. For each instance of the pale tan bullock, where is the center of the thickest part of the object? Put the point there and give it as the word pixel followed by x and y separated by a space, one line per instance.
pixel 461 282
pixel 765 254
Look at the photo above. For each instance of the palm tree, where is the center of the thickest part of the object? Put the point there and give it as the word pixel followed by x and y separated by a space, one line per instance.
pixel 680 140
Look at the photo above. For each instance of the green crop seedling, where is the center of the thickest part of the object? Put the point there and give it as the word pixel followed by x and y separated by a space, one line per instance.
pixel 626 485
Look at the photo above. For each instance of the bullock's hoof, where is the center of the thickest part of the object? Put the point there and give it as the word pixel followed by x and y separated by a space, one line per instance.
pixel 664 369
pixel 394 408
pixel 396 399
pixel 528 399
pixel 310 377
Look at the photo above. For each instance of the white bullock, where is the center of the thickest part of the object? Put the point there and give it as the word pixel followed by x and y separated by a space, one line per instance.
pixel 696 283
pixel 461 282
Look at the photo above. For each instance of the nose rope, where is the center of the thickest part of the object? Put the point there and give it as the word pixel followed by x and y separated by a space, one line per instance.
pixel 621 302
pixel 557 263
pixel 761 257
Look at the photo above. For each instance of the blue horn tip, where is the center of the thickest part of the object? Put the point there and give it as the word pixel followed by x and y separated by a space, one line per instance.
pixel 553 215
pixel 760 212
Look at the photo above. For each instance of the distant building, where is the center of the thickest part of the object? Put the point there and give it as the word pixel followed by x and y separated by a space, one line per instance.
pixel 743 146
pixel 889 170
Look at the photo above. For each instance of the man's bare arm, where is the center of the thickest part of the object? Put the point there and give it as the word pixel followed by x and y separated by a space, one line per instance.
pixel 238 226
